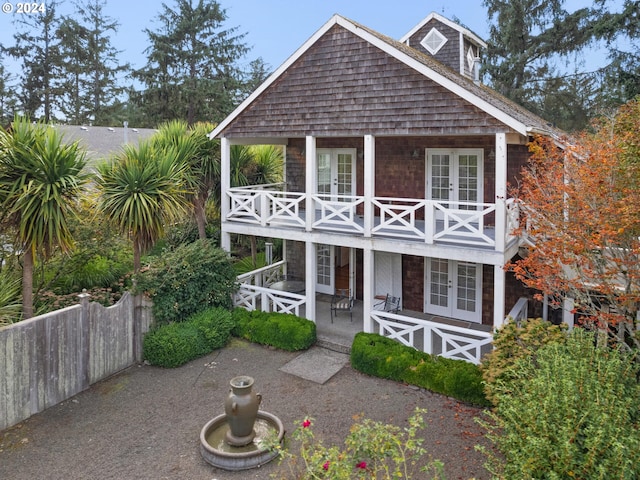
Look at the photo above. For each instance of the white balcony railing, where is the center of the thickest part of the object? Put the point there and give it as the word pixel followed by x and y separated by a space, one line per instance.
pixel 434 338
pixel 428 221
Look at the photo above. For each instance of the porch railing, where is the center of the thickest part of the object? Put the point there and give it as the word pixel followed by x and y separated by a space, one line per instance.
pixel 429 221
pixel 519 312
pixel 432 337
pixel 254 292
pixel 252 297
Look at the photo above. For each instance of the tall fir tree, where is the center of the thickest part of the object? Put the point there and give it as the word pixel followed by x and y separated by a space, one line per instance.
pixel 38 49
pixel 538 57
pixel 92 87
pixel 191 70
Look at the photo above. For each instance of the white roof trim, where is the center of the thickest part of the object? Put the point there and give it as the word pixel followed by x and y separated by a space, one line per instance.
pixel 394 52
pixel 446 21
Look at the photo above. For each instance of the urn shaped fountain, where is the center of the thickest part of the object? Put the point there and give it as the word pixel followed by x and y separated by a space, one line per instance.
pixel 241 408
pixel 233 440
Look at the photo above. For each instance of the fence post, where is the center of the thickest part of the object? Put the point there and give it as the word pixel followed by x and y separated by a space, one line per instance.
pixel 137 327
pixel 85 341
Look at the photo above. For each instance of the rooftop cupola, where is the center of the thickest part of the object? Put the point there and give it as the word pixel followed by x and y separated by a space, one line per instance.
pixel 448 42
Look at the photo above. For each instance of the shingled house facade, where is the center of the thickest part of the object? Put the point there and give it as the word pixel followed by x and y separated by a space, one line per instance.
pixel 397 167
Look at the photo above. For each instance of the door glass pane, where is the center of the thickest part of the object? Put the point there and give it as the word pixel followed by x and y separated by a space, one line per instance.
pixel 324 265
pixel 324 173
pixel 439 283
pixel 468 180
pixel 440 176
pixel 345 174
pixel 466 288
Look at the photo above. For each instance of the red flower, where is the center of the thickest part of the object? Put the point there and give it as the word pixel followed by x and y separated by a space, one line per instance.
pixel 306 423
pixel 325 466
pixel 362 465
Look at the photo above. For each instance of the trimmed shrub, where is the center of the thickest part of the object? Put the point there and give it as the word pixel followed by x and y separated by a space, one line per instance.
pixel 214 325
pixel 383 357
pixel 175 344
pixel 191 278
pixel 280 330
pixel 570 411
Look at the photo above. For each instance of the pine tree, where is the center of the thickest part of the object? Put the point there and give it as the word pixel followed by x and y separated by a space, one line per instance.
pixel 38 48
pixel 191 71
pixel 91 65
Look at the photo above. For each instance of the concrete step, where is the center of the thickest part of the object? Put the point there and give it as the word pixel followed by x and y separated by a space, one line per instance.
pixel 335 344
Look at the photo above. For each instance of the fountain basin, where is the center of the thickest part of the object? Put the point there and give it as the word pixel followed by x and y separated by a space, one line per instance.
pixel 217 452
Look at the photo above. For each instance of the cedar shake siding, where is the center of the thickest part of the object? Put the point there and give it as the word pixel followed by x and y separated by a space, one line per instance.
pixel 449 54
pixel 343 86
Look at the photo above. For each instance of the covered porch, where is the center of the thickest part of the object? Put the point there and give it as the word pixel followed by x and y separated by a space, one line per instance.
pixel 429 333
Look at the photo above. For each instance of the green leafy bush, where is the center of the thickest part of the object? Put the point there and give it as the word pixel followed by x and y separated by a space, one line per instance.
pixel 513 342
pixel 280 330
pixel 569 411
pixel 214 325
pixel 371 450
pixel 175 344
pixel 383 357
pixel 191 278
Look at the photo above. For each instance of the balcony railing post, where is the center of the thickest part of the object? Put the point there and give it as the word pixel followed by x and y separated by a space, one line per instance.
pixel 429 221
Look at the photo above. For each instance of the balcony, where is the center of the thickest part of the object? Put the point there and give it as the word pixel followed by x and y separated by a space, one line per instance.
pixel 418 220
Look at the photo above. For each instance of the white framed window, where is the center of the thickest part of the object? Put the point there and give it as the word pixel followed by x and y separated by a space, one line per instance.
pixel 433 41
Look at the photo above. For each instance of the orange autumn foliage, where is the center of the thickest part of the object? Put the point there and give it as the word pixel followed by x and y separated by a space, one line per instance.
pixel 582 211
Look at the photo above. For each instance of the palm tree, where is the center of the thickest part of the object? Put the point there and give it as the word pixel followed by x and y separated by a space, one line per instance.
pixel 141 191
pixel 40 181
pixel 202 157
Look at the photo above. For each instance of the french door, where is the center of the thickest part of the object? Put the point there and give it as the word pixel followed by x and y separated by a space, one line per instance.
pixel 336 178
pixel 325 276
pixel 336 173
pixel 453 289
pixel 456 176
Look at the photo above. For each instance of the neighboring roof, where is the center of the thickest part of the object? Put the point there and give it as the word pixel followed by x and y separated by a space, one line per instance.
pixel 509 113
pixel 103 142
pixel 434 16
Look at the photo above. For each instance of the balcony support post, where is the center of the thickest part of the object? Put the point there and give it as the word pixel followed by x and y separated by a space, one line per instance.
pixel 225 185
pixel 369 182
pixel 311 267
pixel 501 191
pixel 499 284
pixel 368 287
pixel 311 182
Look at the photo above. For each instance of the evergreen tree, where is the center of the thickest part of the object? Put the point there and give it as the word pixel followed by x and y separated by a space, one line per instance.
pixel 8 98
pixel 191 72
pixel 537 50
pixel 38 48
pixel 92 66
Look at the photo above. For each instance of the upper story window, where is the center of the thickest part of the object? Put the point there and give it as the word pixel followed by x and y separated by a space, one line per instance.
pixel 433 41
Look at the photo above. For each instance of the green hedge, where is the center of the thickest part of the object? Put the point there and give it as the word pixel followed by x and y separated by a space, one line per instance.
pixel 280 330
pixel 175 344
pixel 386 358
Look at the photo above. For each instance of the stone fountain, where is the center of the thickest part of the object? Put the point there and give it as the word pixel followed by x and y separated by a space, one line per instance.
pixel 233 440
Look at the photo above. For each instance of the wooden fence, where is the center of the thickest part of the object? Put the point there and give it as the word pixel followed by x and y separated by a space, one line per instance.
pixel 48 359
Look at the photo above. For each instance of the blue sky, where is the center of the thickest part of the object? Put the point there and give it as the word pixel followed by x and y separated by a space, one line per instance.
pixel 276 28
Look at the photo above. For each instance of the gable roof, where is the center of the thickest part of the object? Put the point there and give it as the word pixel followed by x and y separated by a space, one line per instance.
pixel 495 105
pixel 434 16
